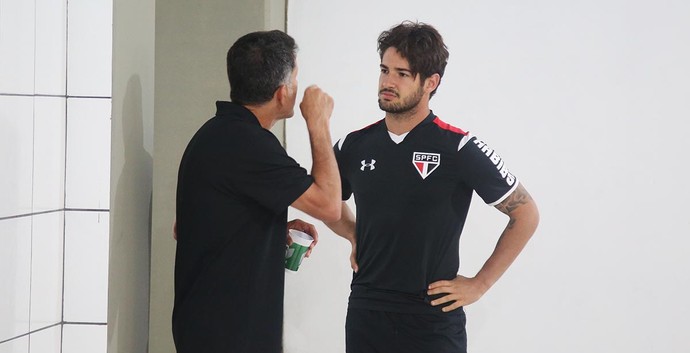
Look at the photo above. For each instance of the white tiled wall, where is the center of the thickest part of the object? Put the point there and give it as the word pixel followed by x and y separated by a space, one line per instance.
pixel 86 260
pixel 88 124
pixel 17 37
pixel 89 48
pixel 55 68
pixel 16 154
pixel 51 46
pixel 48 340
pixel 19 345
pixel 49 153
pixel 46 269
pixel 84 338
pixel 15 262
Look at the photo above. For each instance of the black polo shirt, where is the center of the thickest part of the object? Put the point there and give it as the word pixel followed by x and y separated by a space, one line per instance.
pixel 412 201
pixel 235 184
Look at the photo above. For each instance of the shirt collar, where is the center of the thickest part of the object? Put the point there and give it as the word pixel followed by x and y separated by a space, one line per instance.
pixel 429 118
pixel 224 108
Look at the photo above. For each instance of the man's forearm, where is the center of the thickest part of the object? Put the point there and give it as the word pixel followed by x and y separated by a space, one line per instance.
pixel 345 227
pixel 524 218
pixel 322 199
pixel 324 166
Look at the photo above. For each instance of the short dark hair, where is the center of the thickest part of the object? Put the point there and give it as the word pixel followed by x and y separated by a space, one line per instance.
pixel 258 63
pixel 420 44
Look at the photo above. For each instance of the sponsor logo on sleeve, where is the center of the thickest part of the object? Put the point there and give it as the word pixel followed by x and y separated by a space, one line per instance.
pixel 496 160
pixel 426 162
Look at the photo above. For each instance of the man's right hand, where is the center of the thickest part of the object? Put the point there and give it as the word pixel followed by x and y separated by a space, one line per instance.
pixel 353 258
pixel 323 198
pixel 316 105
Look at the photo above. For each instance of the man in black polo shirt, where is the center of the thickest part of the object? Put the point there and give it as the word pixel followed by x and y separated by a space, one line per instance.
pixel 412 176
pixel 235 184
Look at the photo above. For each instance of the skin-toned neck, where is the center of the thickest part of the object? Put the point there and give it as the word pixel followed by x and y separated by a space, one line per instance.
pixel 400 123
pixel 265 114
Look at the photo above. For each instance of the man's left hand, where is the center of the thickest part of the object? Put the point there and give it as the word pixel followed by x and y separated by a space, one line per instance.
pixel 462 290
pixel 298 224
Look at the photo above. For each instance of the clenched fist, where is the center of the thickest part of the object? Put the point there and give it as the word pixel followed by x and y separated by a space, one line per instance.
pixel 316 105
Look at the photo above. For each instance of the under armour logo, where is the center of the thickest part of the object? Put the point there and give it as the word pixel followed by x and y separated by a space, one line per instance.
pixel 368 165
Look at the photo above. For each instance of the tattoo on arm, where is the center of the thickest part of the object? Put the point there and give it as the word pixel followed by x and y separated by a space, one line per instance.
pixel 518 198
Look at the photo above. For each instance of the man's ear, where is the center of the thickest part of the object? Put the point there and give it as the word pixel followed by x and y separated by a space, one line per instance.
pixel 281 94
pixel 432 82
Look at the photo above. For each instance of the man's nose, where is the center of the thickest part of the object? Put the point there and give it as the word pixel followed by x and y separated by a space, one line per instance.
pixel 386 82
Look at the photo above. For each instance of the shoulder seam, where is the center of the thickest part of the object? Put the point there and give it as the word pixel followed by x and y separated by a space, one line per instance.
pixel 448 127
pixel 340 143
pixel 368 126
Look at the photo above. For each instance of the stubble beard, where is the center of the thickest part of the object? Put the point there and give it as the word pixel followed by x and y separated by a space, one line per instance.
pixel 406 106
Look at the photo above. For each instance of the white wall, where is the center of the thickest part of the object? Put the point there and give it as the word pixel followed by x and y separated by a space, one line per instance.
pixel 587 101
pixel 131 175
pixel 54 181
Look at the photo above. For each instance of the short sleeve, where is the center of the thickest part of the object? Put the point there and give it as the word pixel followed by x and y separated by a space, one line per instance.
pixel 344 182
pixel 264 172
pixel 485 171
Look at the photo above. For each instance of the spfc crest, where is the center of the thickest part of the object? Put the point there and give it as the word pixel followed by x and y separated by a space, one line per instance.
pixel 425 162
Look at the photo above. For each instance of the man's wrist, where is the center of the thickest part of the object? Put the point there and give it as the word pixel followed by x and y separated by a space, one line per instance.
pixel 483 283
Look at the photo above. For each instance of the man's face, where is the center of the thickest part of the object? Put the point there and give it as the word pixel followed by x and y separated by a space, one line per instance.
pixel 399 91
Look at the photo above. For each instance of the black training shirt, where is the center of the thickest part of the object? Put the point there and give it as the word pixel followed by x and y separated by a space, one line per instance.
pixel 412 201
pixel 235 184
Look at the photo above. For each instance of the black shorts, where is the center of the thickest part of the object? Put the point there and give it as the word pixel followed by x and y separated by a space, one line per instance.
pixel 371 331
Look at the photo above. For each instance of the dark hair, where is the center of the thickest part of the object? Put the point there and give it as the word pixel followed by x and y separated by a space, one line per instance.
pixel 258 63
pixel 420 44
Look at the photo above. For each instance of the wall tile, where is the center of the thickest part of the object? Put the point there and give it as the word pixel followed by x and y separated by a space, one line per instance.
pixel 16 154
pixel 51 47
pixel 46 269
pixel 84 339
pixel 46 341
pixel 86 266
pixel 15 276
pixel 49 154
pixel 17 46
pixel 19 345
pixel 88 153
pixel 89 47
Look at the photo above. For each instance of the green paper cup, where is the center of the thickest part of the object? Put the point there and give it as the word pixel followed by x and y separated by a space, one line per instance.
pixel 295 253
